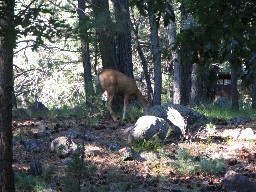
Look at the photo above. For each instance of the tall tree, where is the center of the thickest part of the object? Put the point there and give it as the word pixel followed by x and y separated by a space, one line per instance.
pixel 156 54
pixel 7 42
pixel 154 10
pixel 83 31
pixel 105 32
pixel 143 59
pixel 171 30
pixel 253 92
pixel 195 78
pixel 234 91
pixel 123 37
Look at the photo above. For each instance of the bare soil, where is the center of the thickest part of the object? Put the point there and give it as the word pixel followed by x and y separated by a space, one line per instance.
pixel 115 174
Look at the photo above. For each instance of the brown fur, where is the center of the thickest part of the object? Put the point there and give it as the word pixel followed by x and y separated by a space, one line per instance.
pixel 114 82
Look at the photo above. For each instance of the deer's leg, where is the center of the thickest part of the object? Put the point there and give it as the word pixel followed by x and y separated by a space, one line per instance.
pixel 126 100
pixel 109 101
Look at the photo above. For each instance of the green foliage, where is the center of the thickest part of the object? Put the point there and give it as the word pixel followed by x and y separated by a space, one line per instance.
pixel 119 180
pixel 27 182
pixel 148 145
pixel 76 171
pixel 185 164
pixel 212 166
pixel 40 19
pixel 155 7
pixel 210 127
pixel 135 113
pixel 212 111
pixel 219 39
pixel 95 188
pixel 95 110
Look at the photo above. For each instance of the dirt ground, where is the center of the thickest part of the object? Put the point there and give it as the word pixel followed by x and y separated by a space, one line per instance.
pixel 116 174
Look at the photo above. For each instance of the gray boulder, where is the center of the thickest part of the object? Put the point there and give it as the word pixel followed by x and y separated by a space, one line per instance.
pixel 34 146
pixel 177 116
pixel 176 119
pixel 237 182
pixel 63 146
pixel 148 127
pixel 190 115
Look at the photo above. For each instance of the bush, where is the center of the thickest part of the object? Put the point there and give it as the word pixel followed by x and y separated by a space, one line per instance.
pixel 148 145
pixel 185 164
pixel 27 182
pixel 76 171
pixel 212 166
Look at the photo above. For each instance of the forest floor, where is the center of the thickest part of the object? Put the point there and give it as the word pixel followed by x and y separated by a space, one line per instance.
pixel 113 173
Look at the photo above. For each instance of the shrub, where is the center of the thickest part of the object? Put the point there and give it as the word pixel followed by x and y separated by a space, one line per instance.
pixel 28 182
pixel 148 145
pixel 76 171
pixel 185 164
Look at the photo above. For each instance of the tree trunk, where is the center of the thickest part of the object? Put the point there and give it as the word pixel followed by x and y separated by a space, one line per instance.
pixel 185 75
pixel 254 92
pixel 123 37
pixel 7 42
pixel 176 66
pixel 195 82
pixel 96 52
pixel 105 32
pixel 85 52
pixel 234 92
pixel 144 63
pixel 156 52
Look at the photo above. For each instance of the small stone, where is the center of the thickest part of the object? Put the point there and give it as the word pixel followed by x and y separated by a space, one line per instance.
pixel 127 154
pixel 114 147
pixel 36 167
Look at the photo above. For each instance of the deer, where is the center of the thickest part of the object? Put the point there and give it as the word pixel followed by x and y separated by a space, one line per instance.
pixel 113 83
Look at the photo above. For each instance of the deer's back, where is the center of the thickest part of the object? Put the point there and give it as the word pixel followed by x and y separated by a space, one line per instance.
pixel 118 82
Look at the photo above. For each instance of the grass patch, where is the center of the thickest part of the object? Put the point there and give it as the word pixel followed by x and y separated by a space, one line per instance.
pixel 212 111
pixel 186 165
pixel 27 182
pixel 148 145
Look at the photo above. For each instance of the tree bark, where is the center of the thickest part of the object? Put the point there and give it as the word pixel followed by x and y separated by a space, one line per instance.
pixel 144 63
pixel 185 75
pixel 105 32
pixel 123 37
pixel 234 91
pixel 7 42
pixel 156 53
pixel 254 93
pixel 195 81
pixel 176 65
pixel 85 52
